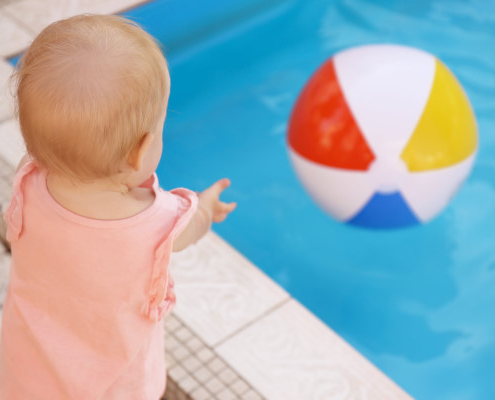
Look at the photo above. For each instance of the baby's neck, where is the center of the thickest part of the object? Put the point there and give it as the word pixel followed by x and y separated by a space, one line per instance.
pixel 95 187
pixel 100 199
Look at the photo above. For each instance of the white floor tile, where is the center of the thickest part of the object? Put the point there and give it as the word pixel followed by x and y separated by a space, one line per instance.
pixel 4 273
pixel 14 38
pixel 291 355
pixel 6 179
pixel 12 147
pixel 35 14
pixel 115 6
pixel 6 99
pixel 218 290
pixel 4 277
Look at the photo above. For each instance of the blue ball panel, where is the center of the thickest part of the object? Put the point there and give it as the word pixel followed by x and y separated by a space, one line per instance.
pixel 385 211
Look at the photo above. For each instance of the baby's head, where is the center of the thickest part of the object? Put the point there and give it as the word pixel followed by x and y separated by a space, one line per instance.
pixel 89 90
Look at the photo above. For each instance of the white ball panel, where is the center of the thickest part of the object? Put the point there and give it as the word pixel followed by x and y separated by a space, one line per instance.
pixel 341 193
pixel 386 88
pixel 427 193
pixel 386 175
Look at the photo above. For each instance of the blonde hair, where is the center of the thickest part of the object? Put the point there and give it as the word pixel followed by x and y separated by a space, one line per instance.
pixel 88 88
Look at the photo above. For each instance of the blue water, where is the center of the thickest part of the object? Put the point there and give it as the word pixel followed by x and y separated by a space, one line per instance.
pixel 418 302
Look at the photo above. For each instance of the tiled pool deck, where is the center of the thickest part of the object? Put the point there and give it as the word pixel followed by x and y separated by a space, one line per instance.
pixel 235 334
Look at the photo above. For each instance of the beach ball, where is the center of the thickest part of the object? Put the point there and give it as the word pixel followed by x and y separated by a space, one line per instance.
pixel 382 136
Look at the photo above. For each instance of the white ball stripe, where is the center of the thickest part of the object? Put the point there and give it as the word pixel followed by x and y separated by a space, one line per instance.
pixel 387 88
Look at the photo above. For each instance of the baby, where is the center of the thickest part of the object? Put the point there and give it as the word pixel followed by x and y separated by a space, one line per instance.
pixel 90 229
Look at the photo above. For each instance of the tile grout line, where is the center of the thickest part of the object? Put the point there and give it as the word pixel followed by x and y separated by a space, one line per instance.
pixel 202 364
pixel 205 364
pixel 253 321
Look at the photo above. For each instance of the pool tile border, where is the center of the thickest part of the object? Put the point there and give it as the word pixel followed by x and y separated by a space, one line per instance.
pixel 310 361
pixel 284 351
pixel 219 290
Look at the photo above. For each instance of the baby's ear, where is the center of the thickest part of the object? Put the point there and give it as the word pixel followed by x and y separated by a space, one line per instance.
pixel 137 154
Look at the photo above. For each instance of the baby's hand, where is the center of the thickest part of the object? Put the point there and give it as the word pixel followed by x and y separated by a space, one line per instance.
pixel 210 209
pixel 210 200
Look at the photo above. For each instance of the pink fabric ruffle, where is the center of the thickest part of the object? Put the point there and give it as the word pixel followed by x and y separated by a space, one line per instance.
pixel 162 293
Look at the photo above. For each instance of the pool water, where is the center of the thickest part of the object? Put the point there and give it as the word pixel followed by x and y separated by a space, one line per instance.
pixel 418 302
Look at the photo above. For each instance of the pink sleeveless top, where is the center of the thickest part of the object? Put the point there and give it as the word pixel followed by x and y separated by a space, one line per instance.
pixel 83 314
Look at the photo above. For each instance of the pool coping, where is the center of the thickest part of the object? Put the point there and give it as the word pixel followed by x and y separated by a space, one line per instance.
pixel 262 336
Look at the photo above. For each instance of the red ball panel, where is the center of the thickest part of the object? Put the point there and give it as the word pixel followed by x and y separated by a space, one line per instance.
pixel 322 128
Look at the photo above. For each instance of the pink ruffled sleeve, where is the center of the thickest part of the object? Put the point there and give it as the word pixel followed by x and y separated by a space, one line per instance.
pixel 14 212
pixel 162 294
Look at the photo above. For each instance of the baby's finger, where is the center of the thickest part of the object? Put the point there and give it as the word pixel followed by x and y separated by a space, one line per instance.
pixel 219 217
pixel 222 211
pixel 226 208
pixel 221 185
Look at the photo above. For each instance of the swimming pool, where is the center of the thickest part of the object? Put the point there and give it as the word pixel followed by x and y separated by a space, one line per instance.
pixel 417 302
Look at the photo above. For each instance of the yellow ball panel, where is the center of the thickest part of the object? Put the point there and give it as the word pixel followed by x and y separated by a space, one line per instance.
pixel 446 133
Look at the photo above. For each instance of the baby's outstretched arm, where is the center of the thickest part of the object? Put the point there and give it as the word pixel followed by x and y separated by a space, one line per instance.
pixel 210 209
